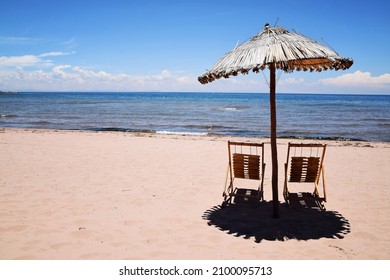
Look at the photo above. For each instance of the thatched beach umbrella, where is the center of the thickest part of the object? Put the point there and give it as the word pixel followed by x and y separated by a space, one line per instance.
pixel 276 48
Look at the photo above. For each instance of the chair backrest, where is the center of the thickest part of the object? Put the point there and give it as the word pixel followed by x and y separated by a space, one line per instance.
pixel 246 160
pixel 305 162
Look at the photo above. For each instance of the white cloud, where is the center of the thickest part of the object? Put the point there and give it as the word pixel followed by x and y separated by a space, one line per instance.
pixel 76 78
pixel 22 61
pixel 59 73
pixel 16 40
pixel 30 60
pixel 55 54
pixel 71 42
pixel 165 74
pixel 38 73
pixel 291 81
pixel 360 80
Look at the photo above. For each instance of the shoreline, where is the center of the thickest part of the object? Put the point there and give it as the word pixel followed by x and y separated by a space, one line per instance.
pixel 75 195
pixel 149 133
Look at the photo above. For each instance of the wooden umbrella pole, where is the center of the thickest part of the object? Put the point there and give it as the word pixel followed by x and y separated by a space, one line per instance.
pixel 274 151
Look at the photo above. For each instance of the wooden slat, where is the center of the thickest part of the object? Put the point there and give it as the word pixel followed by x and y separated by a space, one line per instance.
pixel 246 144
pixel 304 169
pixel 312 169
pixel 246 166
pixel 307 145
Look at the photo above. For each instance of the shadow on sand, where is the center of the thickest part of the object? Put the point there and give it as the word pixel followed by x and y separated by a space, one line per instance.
pixel 294 223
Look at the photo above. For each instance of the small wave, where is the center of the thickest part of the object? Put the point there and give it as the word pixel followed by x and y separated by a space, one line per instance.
pixel 330 138
pixel 118 129
pixel 71 117
pixel 375 119
pixel 7 116
pixel 234 108
pixel 77 102
pixel 40 123
pixel 208 127
pixel 181 133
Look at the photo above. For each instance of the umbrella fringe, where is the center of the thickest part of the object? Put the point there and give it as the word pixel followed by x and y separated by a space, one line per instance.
pixel 289 51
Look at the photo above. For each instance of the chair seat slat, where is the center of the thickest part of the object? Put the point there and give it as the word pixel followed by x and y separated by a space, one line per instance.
pixel 246 166
pixel 304 169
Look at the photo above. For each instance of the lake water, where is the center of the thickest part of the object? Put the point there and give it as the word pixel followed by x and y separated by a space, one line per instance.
pixel 319 116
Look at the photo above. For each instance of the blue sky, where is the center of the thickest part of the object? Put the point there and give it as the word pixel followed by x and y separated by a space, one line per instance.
pixel 154 45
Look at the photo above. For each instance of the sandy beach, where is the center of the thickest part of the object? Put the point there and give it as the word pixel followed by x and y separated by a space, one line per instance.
pixel 113 195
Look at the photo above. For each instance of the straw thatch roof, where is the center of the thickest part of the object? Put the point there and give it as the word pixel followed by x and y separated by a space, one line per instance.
pixel 288 50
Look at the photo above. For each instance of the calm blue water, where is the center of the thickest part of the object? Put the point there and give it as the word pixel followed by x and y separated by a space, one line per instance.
pixel 355 117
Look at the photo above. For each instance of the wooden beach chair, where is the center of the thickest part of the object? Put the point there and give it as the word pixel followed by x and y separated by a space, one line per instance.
pixel 246 168
pixel 303 168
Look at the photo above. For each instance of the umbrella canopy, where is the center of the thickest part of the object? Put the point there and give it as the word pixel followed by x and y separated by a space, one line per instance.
pixel 287 50
pixel 276 48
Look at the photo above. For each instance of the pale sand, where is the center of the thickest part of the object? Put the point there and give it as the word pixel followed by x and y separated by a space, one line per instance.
pixel 107 195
